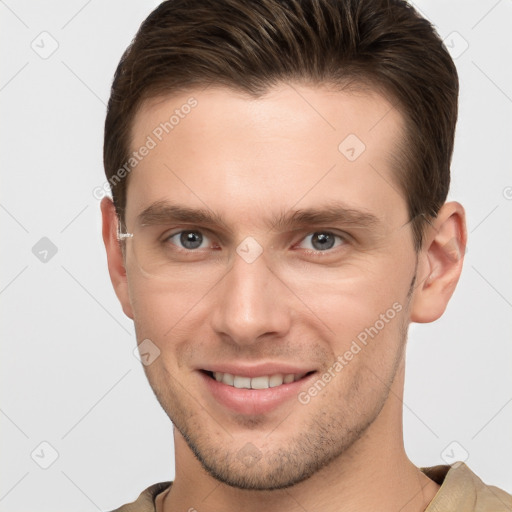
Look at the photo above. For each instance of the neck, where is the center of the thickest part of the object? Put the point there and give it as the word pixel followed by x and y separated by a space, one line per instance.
pixel 373 474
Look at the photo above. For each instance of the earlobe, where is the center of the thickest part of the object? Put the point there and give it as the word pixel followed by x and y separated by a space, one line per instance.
pixel 115 259
pixel 440 263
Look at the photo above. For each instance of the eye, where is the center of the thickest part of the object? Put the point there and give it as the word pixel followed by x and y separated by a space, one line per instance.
pixel 321 241
pixel 189 240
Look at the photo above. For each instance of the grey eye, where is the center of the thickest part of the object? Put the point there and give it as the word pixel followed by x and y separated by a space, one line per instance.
pixel 321 241
pixel 188 239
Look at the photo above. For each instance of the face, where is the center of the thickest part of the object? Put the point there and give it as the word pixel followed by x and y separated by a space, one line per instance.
pixel 271 268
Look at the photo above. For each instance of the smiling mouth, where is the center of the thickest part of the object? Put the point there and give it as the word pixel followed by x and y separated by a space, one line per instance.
pixel 259 382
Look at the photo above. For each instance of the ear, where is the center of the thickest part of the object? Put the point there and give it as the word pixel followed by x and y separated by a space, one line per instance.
pixel 115 258
pixel 439 263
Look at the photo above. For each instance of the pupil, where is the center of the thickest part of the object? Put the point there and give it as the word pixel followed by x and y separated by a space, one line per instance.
pixel 322 241
pixel 191 239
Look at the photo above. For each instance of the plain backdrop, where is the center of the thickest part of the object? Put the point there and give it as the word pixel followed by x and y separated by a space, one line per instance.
pixel 75 400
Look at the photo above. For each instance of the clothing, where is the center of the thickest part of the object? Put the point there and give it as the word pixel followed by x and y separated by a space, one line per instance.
pixel 461 491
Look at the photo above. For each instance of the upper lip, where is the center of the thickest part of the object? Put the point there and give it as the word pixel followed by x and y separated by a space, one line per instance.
pixel 247 370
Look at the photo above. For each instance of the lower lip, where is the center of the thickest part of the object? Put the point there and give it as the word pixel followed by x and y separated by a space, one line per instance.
pixel 253 401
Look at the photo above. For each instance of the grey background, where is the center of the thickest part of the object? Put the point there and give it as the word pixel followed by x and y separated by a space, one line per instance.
pixel 68 374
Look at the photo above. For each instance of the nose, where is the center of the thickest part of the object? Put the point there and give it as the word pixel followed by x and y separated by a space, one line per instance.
pixel 251 304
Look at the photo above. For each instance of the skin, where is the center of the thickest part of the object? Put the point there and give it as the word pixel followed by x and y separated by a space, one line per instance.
pixel 248 160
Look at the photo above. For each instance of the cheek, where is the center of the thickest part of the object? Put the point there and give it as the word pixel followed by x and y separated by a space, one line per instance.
pixel 160 308
pixel 368 308
pixel 155 316
pixel 174 316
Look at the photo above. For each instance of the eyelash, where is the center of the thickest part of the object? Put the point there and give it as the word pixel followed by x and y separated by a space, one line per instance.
pixel 338 237
pixel 343 239
pixel 167 238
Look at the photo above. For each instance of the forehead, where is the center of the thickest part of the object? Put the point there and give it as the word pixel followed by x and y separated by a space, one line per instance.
pixel 242 157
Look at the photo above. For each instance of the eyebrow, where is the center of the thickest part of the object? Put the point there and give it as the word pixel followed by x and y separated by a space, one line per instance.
pixel 164 212
pixel 333 213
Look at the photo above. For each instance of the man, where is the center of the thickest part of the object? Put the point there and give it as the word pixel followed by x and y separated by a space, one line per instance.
pixel 279 172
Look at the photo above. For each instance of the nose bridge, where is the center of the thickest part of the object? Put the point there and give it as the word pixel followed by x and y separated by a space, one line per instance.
pixel 249 302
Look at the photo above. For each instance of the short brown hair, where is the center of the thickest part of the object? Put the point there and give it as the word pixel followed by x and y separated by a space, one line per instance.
pixel 250 46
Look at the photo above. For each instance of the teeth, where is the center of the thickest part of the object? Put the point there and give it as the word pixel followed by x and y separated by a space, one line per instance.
pixel 275 380
pixel 242 382
pixel 259 382
pixel 262 382
pixel 227 378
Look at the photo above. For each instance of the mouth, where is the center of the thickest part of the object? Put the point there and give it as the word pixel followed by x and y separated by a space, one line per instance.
pixel 257 394
pixel 257 382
